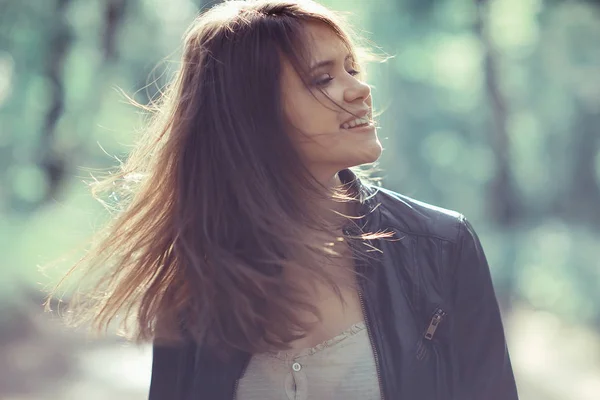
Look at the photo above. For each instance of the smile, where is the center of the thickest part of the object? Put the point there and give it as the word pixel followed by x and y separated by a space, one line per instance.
pixel 356 123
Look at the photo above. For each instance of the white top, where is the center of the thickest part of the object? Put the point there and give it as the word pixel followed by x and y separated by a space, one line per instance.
pixel 340 368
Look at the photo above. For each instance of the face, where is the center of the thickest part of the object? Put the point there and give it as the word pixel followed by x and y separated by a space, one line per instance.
pixel 328 137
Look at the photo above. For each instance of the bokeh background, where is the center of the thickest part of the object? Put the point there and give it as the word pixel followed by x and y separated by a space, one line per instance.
pixel 490 107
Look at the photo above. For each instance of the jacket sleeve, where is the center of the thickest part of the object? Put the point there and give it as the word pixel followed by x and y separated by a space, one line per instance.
pixel 484 367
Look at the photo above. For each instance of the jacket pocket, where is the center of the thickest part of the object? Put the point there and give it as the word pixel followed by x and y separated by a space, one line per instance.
pixel 427 339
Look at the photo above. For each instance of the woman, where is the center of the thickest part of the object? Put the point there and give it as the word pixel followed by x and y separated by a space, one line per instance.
pixel 260 265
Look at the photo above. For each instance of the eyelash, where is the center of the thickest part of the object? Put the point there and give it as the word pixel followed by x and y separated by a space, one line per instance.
pixel 329 78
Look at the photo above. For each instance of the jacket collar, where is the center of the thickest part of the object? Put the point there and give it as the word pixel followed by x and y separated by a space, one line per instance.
pixel 368 203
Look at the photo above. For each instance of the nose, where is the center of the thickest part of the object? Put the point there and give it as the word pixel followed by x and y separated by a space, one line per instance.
pixel 357 91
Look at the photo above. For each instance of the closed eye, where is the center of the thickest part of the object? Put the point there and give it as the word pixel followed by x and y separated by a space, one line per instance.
pixel 323 80
pixel 326 78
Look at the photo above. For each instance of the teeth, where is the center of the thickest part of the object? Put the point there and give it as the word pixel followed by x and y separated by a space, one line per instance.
pixel 355 122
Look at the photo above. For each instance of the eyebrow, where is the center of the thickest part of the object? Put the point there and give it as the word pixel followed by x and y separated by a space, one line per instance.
pixel 327 63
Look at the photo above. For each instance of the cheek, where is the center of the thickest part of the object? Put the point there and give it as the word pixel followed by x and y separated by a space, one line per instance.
pixel 295 110
pixel 312 116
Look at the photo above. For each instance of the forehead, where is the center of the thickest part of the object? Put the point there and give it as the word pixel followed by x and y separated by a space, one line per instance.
pixel 323 43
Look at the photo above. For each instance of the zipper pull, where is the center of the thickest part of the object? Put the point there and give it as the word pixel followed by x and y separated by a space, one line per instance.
pixel 435 321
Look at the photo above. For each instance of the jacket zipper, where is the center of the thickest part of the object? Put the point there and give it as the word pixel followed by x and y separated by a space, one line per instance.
pixel 347 232
pixel 375 355
pixel 437 317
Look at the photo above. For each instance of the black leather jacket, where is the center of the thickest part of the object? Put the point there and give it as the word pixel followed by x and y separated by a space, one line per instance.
pixel 429 305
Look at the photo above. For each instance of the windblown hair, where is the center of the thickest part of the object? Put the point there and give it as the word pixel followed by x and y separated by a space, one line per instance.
pixel 215 201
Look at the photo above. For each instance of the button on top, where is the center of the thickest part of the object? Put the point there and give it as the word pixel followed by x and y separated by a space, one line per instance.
pixel 296 366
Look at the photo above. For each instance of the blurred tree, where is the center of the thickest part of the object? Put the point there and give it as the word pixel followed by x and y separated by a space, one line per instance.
pixel 113 17
pixel 502 196
pixel 582 203
pixel 50 159
pixel 419 8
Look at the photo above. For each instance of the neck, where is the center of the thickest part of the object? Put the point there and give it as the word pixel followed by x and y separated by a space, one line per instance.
pixel 333 184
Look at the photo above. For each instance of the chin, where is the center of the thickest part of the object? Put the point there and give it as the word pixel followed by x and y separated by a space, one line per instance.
pixel 371 152
pixel 368 155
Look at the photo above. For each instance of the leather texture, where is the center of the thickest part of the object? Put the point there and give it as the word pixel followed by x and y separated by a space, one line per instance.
pixel 433 266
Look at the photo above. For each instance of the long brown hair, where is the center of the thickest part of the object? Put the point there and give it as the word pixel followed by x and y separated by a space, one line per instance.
pixel 214 201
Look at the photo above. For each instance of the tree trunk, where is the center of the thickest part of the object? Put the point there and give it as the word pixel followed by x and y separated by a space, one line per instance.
pixel 582 200
pixel 114 14
pixel 502 194
pixel 51 161
pixel 503 198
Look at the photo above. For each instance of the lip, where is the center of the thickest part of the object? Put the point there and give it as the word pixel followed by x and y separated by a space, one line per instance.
pixel 361 129
pixel 359 114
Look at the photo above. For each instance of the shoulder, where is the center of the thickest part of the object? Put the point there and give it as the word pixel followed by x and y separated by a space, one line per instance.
pixel 414 217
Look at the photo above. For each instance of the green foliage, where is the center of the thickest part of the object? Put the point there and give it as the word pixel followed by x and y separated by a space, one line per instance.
pixel 440 126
